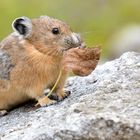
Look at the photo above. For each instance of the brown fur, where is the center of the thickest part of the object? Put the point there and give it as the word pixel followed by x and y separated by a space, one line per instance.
pixel 36 64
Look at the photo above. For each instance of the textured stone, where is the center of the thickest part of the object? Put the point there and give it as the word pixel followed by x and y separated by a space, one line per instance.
pixel 102 106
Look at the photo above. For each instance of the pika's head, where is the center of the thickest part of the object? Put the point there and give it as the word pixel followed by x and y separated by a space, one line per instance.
pixel 47 34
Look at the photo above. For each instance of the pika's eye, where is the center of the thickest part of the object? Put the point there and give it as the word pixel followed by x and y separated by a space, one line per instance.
pixel 55 31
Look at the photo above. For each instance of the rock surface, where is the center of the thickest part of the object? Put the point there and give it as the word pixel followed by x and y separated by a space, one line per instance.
pixel 102 106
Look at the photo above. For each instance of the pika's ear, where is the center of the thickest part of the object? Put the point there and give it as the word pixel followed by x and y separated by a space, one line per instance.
pixel 23 26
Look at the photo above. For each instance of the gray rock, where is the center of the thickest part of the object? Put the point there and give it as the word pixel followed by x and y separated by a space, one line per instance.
pixel 102 106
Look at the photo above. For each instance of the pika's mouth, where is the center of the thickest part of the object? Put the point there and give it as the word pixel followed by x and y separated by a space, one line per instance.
pixel 73 41
pixel 82 45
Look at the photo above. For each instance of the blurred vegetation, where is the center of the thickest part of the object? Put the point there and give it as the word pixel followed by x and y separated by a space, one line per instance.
pixel 96 20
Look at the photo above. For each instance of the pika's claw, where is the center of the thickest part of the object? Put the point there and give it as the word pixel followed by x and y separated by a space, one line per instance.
pixel 59 96
pixel 53 97
pixel 3 112
pixel 62 95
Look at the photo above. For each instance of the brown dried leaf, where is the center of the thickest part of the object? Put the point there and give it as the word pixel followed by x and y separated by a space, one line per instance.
pixel 82 61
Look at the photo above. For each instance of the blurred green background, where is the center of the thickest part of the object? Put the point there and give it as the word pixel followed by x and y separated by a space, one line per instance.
pixel 96 20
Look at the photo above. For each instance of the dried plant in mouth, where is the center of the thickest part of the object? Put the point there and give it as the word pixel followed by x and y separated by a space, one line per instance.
pixel 81 61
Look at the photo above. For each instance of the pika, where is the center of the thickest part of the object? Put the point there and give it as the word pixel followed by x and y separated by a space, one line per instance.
pixel 30 60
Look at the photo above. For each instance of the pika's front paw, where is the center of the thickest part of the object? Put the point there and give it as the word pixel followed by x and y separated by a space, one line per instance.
pixel 3 112
pixel 59 96
pixel 45 101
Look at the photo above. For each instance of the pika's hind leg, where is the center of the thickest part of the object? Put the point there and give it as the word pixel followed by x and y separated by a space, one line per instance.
pixel 3 112
pixel 4 87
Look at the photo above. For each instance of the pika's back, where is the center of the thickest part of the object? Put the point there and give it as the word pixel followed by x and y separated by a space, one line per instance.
pixel 5 65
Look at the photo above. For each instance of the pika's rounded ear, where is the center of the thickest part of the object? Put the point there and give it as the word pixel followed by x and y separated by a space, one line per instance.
pixel 23 26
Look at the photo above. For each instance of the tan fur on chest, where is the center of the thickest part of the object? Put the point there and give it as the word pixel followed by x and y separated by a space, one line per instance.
pixel 44 67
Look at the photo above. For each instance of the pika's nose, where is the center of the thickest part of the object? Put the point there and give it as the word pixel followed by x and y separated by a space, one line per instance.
pixel 76 38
